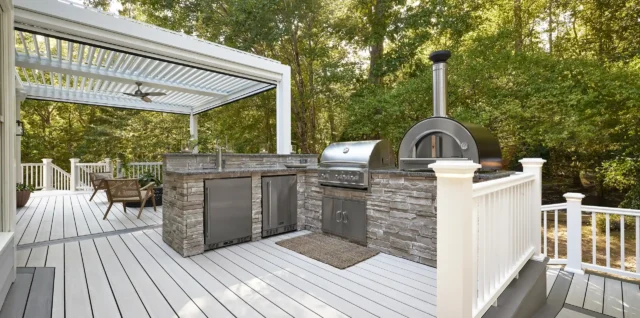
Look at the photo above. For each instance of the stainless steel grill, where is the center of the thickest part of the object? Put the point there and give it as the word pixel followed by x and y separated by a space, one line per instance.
pixel 440 137
pixel 347 164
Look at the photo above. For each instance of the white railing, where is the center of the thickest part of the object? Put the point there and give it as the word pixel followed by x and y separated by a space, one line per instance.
pixel 502 236
pixel 572 220
pixel 61 180
pixel 136 169
pixel 486 231
pixel 32 174
pixel 83 173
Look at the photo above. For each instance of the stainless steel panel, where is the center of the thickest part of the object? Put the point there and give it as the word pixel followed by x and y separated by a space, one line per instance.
pixel 279 204
pixel 336 219
pixel 227 211
pixel 372 154
pixel 328 215
pixel 354 220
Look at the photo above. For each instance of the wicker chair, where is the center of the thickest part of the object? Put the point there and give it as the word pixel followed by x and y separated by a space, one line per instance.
pixel 96 182
pixel 128 190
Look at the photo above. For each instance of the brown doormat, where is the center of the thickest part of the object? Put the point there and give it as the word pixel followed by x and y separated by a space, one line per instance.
pixel 337 253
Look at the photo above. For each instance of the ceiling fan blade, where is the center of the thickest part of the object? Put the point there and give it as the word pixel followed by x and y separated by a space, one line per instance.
pixel 134 95
pixel 155 94
pixel 146 99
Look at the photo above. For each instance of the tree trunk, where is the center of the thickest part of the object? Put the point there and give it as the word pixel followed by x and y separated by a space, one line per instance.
pixel 376 46
pixel 517 24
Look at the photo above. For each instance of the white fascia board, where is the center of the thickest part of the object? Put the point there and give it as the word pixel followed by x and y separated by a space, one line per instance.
pixel 90 98
pixel 128 34
pixel 246 92
pixel 66 67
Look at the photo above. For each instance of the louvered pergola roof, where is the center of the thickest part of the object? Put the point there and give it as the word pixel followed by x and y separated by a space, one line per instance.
pixel 71 53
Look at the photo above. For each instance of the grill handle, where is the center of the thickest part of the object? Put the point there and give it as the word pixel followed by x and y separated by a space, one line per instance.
pixel 339 216
pixel 344 217
pixel 269 210
pixel 357 163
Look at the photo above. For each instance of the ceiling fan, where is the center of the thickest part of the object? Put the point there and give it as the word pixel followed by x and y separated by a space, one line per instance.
pixel 144 95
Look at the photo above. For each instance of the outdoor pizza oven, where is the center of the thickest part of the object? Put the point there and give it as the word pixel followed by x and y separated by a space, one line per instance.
pixel 440 137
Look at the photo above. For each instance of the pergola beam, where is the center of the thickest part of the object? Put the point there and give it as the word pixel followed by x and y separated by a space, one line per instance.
pixel 96 73
pixel 90 98
pixel 251 90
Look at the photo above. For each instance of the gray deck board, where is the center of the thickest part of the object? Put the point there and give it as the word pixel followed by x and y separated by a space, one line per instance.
pixel 613 298
pixel 578 290
pixel 40 299
pixel 594 298
pixel 631 297
pixel 16 300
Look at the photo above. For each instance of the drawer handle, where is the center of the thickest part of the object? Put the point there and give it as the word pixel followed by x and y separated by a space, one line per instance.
pixel 339 216
pixel 344 217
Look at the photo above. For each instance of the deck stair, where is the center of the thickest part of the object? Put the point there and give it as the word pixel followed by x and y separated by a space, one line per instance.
pixel 31 295
pixel 525 295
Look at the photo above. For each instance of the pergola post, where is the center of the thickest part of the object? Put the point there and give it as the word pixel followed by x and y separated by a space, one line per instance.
pixel 20 97
pixel 193 130
pixel 283 113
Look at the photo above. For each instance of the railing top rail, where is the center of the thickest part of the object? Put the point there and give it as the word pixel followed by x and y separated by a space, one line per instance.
pixel 143 163
pixel 482 188
pixel 61 170
pixel 32 164
pixel 607 210
pixel 91 164
pixel 555 206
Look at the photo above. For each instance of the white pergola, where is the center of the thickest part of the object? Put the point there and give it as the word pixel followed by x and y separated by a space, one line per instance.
pixel 70 53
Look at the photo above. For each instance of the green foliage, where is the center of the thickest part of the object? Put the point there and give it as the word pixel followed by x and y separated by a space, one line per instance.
pixel 148 177
pixel 24 187
pixel 614 222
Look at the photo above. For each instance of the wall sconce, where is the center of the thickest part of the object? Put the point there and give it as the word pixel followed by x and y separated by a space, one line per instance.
pixel 19 129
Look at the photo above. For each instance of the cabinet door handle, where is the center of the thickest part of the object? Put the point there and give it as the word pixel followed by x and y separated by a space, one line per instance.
pixel 339 216
pixel 344 217
pixel 269 209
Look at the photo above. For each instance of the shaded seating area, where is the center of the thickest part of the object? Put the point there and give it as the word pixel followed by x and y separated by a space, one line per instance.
pixel 128 190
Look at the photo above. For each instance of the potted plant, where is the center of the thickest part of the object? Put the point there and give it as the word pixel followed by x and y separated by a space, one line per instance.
pixel 23 193
pixel 145 179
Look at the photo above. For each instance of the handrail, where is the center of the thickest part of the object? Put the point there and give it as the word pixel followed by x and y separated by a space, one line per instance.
pixel 483 188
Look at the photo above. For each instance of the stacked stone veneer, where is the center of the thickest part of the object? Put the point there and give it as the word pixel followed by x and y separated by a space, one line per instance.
pixel 183 196
pixel 401 212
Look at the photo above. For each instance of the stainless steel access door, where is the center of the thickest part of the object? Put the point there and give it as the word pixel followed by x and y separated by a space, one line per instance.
pixel 227 211
pixel 279 204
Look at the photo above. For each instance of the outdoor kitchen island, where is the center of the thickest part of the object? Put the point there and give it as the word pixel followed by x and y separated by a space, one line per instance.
pixel 400 217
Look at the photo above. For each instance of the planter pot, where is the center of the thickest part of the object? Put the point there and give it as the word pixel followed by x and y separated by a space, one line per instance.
pixel 157 193
pixel 22 197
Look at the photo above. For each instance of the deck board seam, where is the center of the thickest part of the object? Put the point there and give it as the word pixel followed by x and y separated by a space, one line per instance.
pixel 86 281
pixel 107 277
pixel 86 237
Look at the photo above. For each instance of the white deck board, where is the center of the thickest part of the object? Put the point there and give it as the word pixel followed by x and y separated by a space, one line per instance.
pixel 595 294
pixel 275 296
pixel 568 313
pixel 347 290
pixel 613 298
pixel 404 262
pixel 102 298
pixel 38 256
pixel 125 294
pixel 228 298
pixel 31 231
pixel 54 217
pixel 57 227
pixel 205 301
pixel 179 300
pixel 577 290
pixel 426 271
pixel 23 209
pixel 77 303
pixel 152 298
pixel 407 305
pixel 82 227
pixel 552 275
pixel 289 284
pixel 22 256
pixel 69 219
pixel 631 297
pixel 55 258
pixel 398 278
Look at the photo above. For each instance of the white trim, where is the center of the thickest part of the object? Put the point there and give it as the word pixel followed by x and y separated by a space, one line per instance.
pixel 251 90
pixel 8 104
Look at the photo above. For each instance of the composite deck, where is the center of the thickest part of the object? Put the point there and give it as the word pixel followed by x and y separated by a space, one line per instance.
pixel 137 275
pixel 591 295
pixel 50 216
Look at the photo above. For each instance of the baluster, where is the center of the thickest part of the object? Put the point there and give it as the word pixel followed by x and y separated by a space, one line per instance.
pixel 555 234
pixel 545 232
pixel 608 246
pixel 637 244
pixel 593 237
pixel 482 257
pixel 622 242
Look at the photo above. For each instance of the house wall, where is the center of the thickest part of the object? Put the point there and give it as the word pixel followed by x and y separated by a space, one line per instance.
pixel 8 165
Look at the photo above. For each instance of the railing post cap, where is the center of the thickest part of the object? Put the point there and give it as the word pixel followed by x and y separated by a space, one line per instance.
pixel 532 162
pixel 454 168
pixel 74 160
pixel 571 196
pixel 47 160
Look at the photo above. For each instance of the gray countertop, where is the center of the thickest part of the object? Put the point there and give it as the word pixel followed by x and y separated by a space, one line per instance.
pixel 242 171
